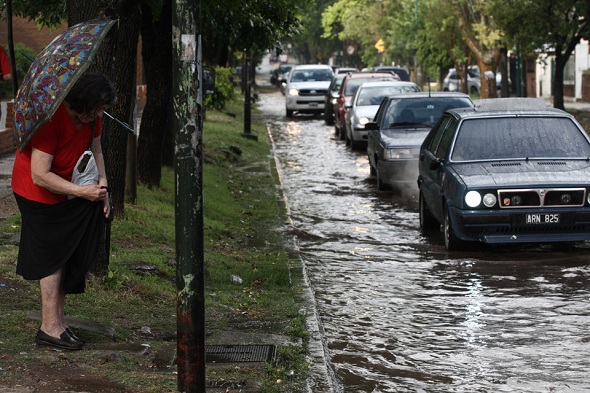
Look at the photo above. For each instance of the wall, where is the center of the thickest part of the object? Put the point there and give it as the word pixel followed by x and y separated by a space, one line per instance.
pixel 586 87
pixel 582 58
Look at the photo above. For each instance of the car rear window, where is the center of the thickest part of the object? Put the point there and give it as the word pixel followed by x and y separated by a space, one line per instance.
pixel 374 95
pixel 424 110
pixel 519 138
pixel 353 84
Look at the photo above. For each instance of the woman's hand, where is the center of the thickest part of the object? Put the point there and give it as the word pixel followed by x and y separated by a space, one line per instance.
pixel 93 192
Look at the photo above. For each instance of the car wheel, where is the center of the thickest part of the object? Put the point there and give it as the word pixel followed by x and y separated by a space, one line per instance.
pixel 289 113
pixel 342 132
pixel 328 117
pixel 452 242
pixel 474 90
pixel 380 185
pixel 427 221
pixel 354 144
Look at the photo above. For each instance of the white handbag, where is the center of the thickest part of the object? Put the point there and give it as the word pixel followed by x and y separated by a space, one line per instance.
pixel 85 172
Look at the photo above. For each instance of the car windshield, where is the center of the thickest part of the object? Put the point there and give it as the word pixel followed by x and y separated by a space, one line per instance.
pixel 423 111
pixel 353 84
pixel 519 138
pixel 311 76
pixel 374 95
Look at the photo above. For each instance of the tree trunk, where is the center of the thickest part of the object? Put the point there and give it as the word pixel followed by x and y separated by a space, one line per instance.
pixel 120 46
pixel 558 80
pixel 117 60
pixel 156 130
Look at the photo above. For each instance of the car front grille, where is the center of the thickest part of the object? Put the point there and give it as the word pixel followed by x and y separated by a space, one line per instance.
pixel 312 92
pixel 553 197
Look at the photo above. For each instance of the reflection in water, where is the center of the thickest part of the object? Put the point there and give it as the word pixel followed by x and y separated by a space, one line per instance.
pixel 400 314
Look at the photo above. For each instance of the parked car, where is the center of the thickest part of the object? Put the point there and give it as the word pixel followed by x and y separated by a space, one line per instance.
pixel 278 73
pixel 402 72
pixel 452 81
pixel 331 97
pixel 364 105
pixel 400 126
pixel 345 70
pixel 508 171
pixel 306 87
pixel 350 83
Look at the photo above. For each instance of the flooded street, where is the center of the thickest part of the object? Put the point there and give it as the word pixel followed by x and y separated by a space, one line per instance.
pixel 398 312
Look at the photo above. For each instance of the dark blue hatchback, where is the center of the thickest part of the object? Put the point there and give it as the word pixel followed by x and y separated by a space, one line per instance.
pixel 510 170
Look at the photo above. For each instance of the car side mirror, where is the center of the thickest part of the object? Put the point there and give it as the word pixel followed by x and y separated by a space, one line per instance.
pixel 371 126
pixel 435 163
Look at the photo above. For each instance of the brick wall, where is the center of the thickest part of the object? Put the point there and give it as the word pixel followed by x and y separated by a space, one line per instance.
pixel 6 141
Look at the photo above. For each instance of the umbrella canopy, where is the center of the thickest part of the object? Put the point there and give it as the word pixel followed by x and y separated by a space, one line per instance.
pixel 53 73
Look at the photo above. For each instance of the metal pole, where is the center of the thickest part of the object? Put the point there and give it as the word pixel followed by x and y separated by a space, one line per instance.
pixel 11 49
pixel 518 71
pixel 247 93
pixel 188 166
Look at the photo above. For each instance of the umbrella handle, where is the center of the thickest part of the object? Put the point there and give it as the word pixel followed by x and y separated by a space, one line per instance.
pixel 122 124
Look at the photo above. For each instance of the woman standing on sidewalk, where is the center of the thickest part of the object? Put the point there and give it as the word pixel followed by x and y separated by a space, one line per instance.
pixel 60 236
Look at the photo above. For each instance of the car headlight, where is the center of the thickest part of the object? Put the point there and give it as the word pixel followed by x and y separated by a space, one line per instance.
pixel 397 154
pixel 489 200
pixel 293 92
pixel 363 121
pixel 334 101
pixel 473 199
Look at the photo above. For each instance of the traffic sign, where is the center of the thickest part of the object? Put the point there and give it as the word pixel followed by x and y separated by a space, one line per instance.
pixel 380 46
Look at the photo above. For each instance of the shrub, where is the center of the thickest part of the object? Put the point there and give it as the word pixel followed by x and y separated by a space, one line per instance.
pixel 224 90
pixel 22 55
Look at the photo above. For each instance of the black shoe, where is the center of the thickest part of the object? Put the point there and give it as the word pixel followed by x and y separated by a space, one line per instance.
pixel 65 341
pixel 72 335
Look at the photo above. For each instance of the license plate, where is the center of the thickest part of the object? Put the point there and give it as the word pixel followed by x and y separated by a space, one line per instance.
pixel 313 104
pixel 533 219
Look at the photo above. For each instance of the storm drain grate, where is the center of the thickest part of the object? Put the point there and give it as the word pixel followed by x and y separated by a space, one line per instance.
pixel 240 353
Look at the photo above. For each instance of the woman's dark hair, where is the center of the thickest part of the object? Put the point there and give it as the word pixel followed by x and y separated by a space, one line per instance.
pixel 90 92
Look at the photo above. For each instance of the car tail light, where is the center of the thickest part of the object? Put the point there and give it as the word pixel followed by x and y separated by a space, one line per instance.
pixel 397 154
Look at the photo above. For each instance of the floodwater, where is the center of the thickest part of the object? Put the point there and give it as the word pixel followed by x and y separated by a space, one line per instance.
pixel 401 314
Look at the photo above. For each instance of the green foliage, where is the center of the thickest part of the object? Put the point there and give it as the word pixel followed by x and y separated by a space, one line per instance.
pixel 224 89
pixel 250 24
pixel 47 13
pixel 114 279
pixel 22 55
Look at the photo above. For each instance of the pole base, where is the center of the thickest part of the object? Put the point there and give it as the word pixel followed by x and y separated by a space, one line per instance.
pixel 250 136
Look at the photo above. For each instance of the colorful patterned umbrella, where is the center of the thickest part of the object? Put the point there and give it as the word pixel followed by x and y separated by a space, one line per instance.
pixel 53 73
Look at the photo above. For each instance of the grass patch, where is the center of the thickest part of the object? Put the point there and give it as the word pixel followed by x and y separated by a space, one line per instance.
pixel 247 280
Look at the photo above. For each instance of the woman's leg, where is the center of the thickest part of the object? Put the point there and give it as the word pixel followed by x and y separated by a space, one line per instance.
pixel 52 304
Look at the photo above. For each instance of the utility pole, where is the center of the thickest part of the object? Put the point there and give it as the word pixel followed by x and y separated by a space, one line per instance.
pixel 247 94
pixel 188 167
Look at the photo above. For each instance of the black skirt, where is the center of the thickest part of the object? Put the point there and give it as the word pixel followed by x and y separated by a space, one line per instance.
pixel 65 235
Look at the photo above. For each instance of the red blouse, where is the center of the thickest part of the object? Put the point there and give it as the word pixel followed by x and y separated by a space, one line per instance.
pixel 60 138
